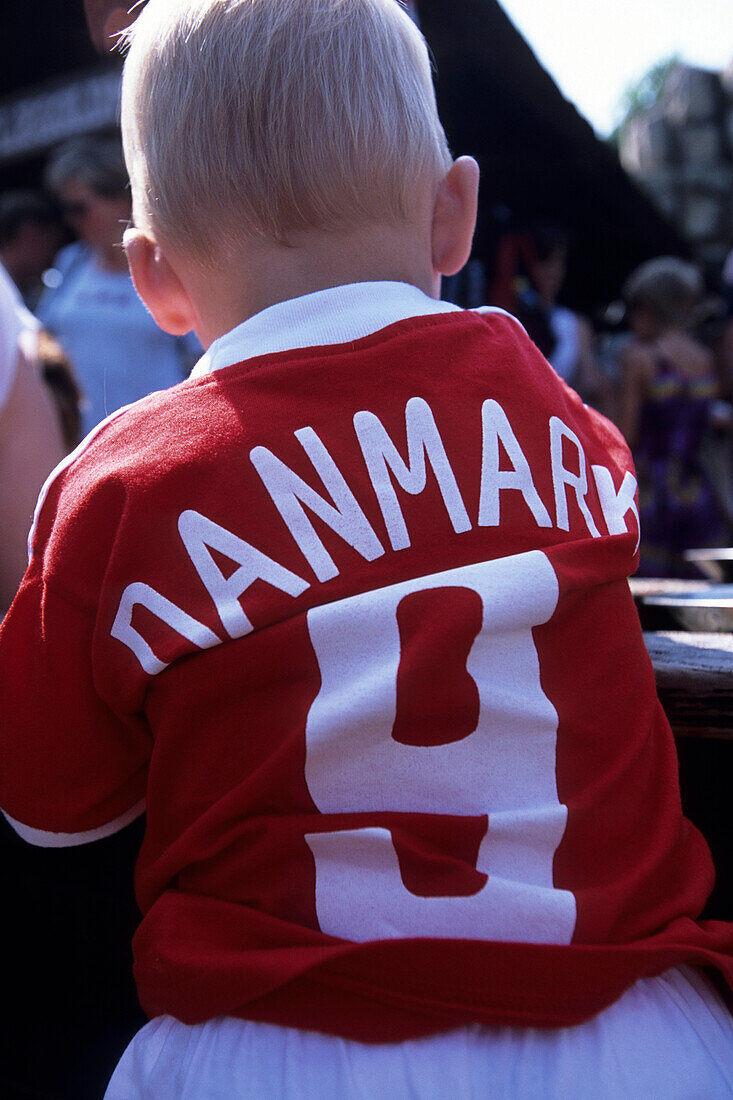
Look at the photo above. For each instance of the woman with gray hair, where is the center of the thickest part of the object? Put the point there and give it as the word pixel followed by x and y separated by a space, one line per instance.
pixel 118 352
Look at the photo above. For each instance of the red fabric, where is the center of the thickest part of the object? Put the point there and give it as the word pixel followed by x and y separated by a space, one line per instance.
pixel 216 742
pixel 396 989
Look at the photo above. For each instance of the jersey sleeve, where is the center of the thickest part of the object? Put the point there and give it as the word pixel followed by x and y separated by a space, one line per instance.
pixel 73 770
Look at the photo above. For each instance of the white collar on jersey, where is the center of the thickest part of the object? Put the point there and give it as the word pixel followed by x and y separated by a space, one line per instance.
pixel 333 316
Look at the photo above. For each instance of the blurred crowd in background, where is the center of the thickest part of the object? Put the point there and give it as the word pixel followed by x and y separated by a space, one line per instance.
pixel 95 347
pixel 658 361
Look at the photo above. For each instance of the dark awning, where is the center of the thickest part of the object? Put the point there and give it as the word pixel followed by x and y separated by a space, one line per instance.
pixel 539 158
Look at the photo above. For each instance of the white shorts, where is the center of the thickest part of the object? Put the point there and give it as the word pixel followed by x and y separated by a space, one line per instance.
pixel 666 1038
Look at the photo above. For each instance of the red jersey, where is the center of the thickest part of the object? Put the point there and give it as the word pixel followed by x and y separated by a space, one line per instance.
pixel 347 613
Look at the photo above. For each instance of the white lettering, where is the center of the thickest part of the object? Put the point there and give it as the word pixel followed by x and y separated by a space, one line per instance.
pixel 290 494
pixel 183 624
pixel 564 479
pixel 496 427
pixel 423 440
pixel 616 506
pixel 199 534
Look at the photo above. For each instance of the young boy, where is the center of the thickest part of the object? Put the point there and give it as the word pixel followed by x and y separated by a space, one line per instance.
pixel 347 614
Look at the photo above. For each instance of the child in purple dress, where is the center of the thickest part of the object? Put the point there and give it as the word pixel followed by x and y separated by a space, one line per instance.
pixel 668 389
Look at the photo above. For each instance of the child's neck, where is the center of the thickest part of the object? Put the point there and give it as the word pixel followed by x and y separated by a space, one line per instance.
pixel 268 273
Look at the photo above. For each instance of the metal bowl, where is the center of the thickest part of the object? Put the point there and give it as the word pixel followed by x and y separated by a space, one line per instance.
pixel 710 610
pixel 716 563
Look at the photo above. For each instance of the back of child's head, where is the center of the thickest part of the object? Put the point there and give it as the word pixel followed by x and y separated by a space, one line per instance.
pixel 270 118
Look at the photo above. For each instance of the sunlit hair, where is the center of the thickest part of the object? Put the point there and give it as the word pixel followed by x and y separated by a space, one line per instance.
pixel 666 286
pixel 271 117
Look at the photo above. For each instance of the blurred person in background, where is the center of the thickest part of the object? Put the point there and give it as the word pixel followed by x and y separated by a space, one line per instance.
pixel 59 379
pixel 31 233
pixel 118 352
pixel 564 337
pixel 668 402
pixel 31 441
pixel 723 456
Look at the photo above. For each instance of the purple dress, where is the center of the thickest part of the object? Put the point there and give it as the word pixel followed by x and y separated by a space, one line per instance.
pixel 678 505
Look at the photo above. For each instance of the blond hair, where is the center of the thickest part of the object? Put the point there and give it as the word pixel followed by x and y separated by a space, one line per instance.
pixel 272 117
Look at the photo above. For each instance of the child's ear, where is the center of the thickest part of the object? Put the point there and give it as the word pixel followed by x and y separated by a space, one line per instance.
pixel 454 216
pixel 158 284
